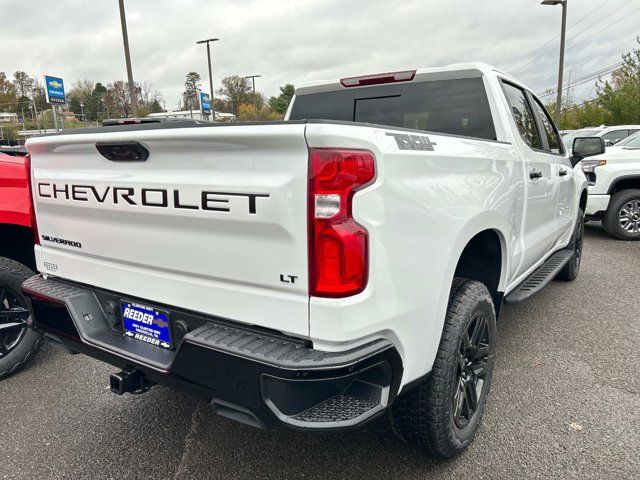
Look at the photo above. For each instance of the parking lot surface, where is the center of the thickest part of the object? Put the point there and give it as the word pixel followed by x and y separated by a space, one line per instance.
pixel 564 404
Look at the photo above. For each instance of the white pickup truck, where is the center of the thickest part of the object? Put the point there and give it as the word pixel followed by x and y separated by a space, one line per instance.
pixel 317 272
pixel 614 188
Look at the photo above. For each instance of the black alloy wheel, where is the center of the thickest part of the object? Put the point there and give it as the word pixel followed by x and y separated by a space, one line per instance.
pixel 14 316
pixel 471 371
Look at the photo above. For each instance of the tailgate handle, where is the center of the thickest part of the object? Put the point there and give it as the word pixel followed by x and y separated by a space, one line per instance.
pixel 123 151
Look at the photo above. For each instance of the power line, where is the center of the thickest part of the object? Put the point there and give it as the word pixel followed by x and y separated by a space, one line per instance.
pixel 521 67
pixel 583 79
pixel 596 22
pixel 554 38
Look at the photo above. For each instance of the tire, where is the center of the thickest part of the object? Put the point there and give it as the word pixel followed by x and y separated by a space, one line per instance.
pixel 18 345
pixel 624 200
pixel 425 417
pixel 570 271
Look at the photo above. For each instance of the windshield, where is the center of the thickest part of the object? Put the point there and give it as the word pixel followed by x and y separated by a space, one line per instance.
pixel 568 139
pixel 632 141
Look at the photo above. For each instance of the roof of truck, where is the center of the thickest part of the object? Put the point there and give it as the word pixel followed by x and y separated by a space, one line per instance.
pixel 454 70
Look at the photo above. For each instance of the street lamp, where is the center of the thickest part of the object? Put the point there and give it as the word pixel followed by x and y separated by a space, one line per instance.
pixel 127 57
pixel 207 41
pixel 255 99
pixel 561 67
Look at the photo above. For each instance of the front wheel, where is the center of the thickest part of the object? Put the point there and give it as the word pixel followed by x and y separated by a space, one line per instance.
pixel 622 218
pixel 18 342
pixel 442 414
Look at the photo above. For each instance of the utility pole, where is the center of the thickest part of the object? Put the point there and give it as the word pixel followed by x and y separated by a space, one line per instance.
pixel 255 99
pixel 127 56
pixel 35 112
pixel 208 41
pixel 55 118
pixel 561 66
pixel 568 97
pixel 82 111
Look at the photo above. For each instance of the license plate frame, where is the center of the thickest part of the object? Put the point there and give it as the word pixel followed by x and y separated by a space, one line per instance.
pixel 146 323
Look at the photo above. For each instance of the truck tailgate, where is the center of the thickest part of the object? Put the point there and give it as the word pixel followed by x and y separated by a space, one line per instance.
pixel 214 220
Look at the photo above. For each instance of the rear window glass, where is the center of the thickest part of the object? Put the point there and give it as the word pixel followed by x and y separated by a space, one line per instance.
pixel 458 107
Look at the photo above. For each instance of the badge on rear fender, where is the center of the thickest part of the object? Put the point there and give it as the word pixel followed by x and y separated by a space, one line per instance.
pixel 146 324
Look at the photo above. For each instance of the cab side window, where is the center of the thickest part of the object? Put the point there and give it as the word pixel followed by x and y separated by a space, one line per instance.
pixel 553 140
pixel 522 115
pixel 616 135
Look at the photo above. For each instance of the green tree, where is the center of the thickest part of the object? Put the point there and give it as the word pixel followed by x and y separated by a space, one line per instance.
pixel 191 88
pixel 23 83
pixel 8 98
pixel 236 90
pixel 97 109
pixel 620 97
pixel 281 102
pixel 155 107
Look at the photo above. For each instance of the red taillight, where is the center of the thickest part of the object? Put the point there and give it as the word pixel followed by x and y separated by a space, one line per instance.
pixel 338 245
pixel 378 78
pixel 32 200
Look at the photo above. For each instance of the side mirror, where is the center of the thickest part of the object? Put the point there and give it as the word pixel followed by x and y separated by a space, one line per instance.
pixel 586 147
pixel 608 143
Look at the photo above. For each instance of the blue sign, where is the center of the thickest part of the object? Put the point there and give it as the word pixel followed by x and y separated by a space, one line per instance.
pixel 205 103
pixel 54 90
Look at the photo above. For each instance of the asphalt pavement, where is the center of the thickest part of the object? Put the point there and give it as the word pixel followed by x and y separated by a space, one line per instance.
pixel 565 403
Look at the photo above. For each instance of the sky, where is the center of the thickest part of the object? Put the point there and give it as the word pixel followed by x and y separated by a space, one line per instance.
pixel 295 41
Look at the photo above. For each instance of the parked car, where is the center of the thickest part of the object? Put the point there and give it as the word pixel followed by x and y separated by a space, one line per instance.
pixel 612 135
pixel 564 133
pixel 614 189
pixel 622 143
pixel 584 132
pixel 18 343
pixel 317 272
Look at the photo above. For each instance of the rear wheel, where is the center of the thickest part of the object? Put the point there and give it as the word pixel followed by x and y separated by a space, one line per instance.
pixel 18 342
pixel 622 218
pixel 442 414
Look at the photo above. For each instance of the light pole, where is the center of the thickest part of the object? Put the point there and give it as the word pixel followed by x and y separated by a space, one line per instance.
pixel 255 99
pixel 82 111
pixel 127 57
pixel 561 67
pixel 207 41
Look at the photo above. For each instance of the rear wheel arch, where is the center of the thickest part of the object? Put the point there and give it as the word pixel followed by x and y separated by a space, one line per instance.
pixel 484 259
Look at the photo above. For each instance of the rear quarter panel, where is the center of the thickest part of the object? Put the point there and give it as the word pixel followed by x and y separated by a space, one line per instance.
pixel 420 213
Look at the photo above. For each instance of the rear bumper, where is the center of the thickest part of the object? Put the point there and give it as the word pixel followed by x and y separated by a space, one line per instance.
pixel 259 377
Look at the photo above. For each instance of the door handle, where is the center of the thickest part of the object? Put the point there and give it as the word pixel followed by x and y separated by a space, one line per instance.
pixel 562 172
pixel 535 174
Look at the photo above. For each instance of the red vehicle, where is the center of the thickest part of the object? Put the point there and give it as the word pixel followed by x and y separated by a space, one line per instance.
pixel 18 343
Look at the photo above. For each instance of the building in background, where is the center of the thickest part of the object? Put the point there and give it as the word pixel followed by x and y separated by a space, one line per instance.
pixel 8 117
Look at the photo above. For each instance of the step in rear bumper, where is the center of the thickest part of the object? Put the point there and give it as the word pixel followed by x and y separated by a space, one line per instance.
pixel 259 377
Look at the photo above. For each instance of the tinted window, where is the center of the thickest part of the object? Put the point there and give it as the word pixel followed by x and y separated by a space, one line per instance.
pixel 634 142
pixel 616 135
pixel 457 107
pixel 552 136
pixel 522 115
